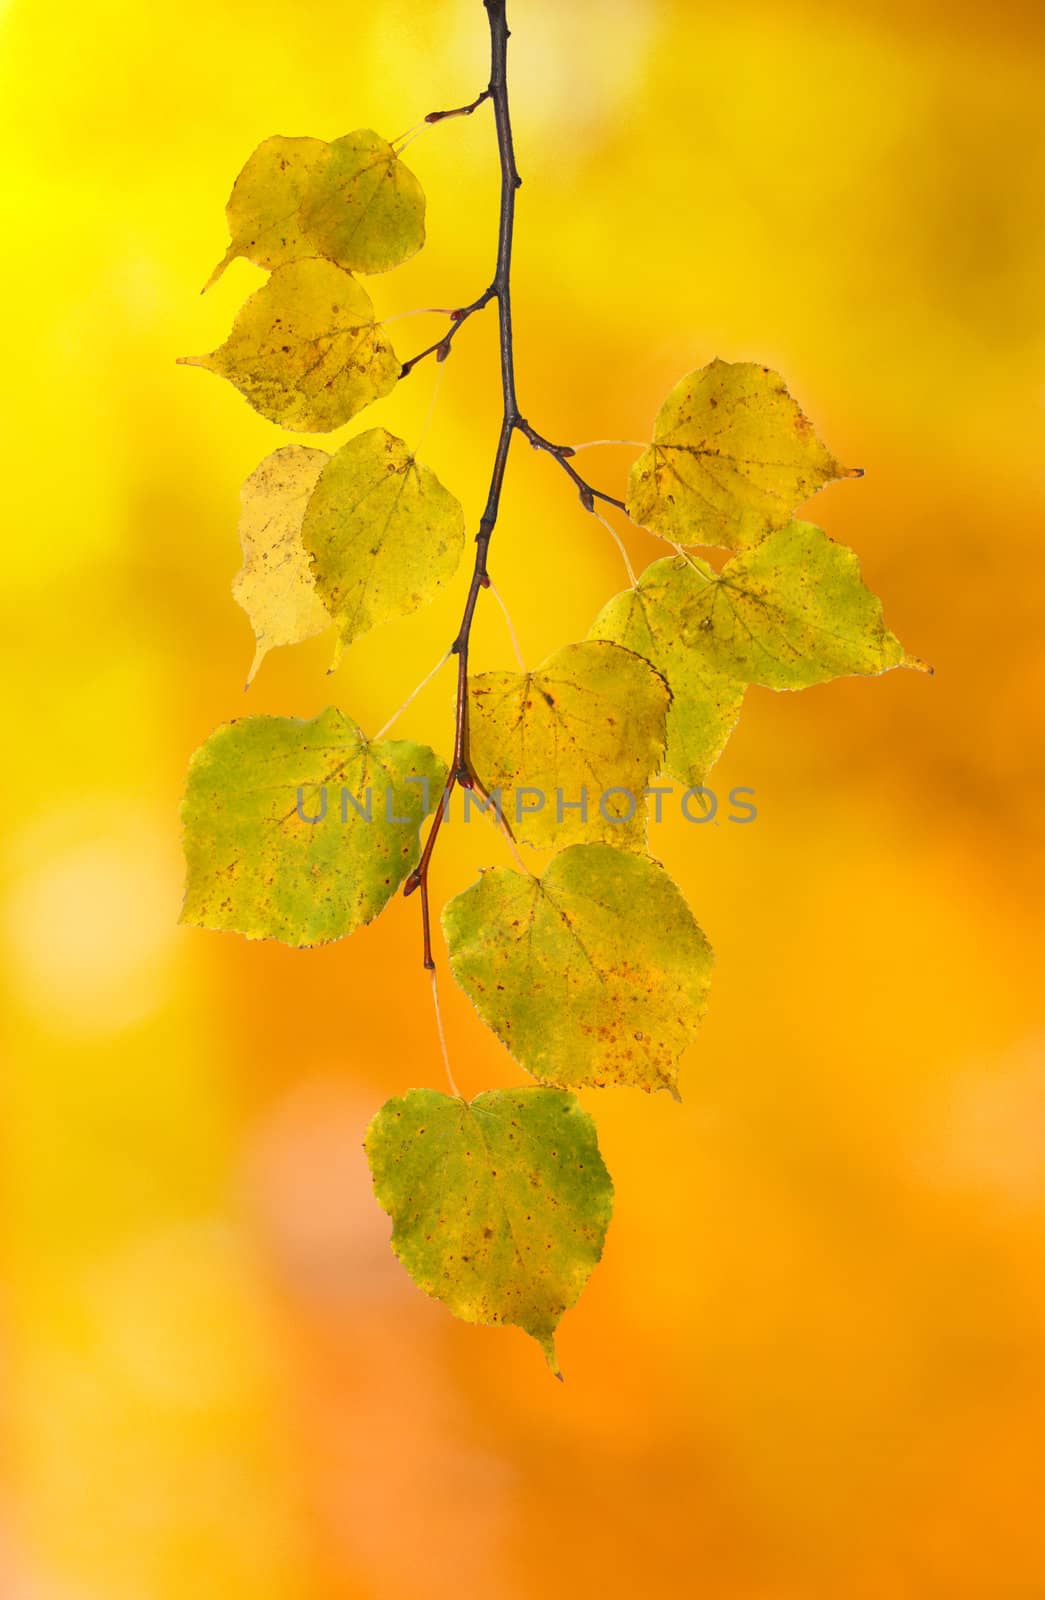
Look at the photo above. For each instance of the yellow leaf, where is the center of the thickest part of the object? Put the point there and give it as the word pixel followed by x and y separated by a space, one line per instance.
pixel 594 973
pixel 352 202
pixel 275 586
pixel 383 534
pixel 651 619
pixel 500 1205
pixel 301 831
pixel 364 209
pixel 588 722
pixel 732 457
pixel 263 208
pixel 792 612
pixel 305 349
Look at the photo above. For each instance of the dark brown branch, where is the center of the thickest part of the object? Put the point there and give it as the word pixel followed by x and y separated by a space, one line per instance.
pixel 418 879
pixel 500 289
pixel 460 774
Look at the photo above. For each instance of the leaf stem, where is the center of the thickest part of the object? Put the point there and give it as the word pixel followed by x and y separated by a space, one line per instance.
pixel 394 718
pixel 619 542
pixel 500 822
pixel 421 311
pixel 442 1036
pixel 590 444
pixel 423 435
pixel 509 624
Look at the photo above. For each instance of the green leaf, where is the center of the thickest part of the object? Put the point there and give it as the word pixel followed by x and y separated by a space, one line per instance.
pixel 263 208
pixel 364 209
pixel 595 973
pixel 792 612
pixel 275 585
pixel 499 1205
pixel 588 721
pixel 732 457
pixel 257 865
pixel 383 533
pixel 305 349
pixel 352 201
pixel 655 620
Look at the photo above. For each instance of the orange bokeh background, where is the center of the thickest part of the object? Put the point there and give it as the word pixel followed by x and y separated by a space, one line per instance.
pixel 811 1363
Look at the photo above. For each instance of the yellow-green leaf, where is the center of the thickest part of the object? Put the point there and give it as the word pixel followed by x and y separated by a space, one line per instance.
pixel 274 585
pixel 352 202
pixel 301 831
pixel 364 209
pixel 792 612
pixel 264 206
pixel 305 349
pixel 655 620
pixel 499 1205
pixel 732 457
pixel 586 730
pixel 594 973
pixel 383 534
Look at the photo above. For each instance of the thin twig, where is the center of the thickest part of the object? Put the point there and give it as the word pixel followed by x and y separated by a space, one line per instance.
pixel 460 111
pixel 418 879
pixel 441 347
pixel 400 144
pixel 560 453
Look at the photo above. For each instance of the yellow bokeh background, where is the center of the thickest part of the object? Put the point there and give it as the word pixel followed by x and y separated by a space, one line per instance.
pixel 811 1363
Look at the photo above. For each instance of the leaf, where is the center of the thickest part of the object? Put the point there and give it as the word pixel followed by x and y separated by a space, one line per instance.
pixel 305 350
pixel 275 585
pixel 258 866
pixel 655 619
pixel 792 612
pixel 590 720
pixel 595 973
pixel 499 1205
pixel 352 201
pixel 263 208
pixel 732 457
pixel 364 209
pixel 383 533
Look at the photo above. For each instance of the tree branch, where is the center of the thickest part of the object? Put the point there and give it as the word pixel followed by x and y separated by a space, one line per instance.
pixel 460 774
pixel 500 289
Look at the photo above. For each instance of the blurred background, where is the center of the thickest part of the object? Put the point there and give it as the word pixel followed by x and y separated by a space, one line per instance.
pixel 812 1362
